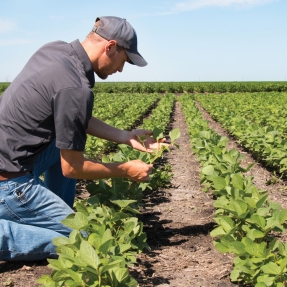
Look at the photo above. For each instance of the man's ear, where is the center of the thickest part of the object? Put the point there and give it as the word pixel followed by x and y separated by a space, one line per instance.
pixel 111 46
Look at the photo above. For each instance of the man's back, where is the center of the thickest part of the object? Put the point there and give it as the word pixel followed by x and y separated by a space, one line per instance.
pixel 52 79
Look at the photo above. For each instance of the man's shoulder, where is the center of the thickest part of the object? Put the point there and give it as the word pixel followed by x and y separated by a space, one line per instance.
pixel 55 44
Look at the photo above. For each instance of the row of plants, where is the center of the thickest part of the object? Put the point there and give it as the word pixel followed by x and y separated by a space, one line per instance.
pixel 106 234
pixel 248 223
pixel 183 87
pixel 189 87
pixel 108 106
pixel 257 121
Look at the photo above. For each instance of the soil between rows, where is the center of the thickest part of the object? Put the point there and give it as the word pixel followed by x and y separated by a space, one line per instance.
pixel 177 221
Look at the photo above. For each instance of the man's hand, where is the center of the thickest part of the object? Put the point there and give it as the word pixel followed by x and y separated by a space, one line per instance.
pixel 141 140
pixel 137 170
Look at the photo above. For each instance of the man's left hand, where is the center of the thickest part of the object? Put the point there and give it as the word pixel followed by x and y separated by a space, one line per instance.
pixel 141 140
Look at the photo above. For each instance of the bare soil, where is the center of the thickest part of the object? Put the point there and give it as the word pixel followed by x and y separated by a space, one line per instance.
pixel 177 221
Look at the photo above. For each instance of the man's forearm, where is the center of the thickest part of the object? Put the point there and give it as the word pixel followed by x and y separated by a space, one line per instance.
pixel 93 170
pixel 102 130
pixel 75 165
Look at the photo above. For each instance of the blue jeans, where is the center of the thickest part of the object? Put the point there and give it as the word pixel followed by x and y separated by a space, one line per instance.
pixel 31 210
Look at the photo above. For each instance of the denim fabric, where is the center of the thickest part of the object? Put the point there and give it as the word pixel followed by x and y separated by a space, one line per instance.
pixel 31 214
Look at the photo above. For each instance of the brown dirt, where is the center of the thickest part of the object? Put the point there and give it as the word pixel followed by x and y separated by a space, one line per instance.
pixel 177 221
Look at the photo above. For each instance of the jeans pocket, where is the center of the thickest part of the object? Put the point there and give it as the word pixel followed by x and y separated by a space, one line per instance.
pixel 20 192
pixel 7 213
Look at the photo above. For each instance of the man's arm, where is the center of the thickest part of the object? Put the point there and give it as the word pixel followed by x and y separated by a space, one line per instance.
pixel 102 130
pixel 75 165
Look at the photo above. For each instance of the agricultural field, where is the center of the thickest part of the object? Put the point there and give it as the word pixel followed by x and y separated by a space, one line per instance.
pixel 214 212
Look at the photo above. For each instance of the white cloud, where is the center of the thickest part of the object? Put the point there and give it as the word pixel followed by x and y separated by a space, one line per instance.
pixel 197 4
pixel 13 42
pixel 7 25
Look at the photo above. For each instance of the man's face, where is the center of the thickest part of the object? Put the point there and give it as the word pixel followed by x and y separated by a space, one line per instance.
pixel 111 62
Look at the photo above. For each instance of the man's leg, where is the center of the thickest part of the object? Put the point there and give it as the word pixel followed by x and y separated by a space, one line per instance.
pixel 30 217
pixel 49 164
pixel 25 242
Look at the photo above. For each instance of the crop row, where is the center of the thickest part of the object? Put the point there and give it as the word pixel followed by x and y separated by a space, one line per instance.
pixel 189 87
pixel 183 87
pixel 106 234
pixel 257 120
pixel 248 224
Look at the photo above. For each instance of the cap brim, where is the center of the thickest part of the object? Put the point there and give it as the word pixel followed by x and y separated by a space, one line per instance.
pixel 136 58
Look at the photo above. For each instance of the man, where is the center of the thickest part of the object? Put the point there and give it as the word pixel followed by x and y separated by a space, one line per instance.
pixel 45 115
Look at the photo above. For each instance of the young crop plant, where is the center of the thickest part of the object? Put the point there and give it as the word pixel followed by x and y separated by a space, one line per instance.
pixel 248 223
pixel 118 188
pixel 103 243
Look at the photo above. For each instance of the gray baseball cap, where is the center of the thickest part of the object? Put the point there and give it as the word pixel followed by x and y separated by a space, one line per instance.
pixel 119 29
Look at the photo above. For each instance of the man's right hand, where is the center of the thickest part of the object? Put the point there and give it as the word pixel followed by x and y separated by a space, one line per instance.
pixel 137 170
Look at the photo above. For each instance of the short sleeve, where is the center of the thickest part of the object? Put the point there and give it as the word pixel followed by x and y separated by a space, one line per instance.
pixel 72 110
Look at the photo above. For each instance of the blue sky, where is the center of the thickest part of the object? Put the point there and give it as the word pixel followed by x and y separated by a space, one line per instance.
pixel 184 40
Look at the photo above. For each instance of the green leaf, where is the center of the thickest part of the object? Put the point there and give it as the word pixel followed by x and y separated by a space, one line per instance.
pixel 283 264
pixel 119 216
pixel 240 207
pixel 57 241
pixel 105 246
pixel 111 265
pixel 254 234
pixel 261 201
pixel 76 221
pixel 130 224
pixel 93 200
pixel 234 275
pixel 89 255
pixel 80 207
pixel 271 268
pixel 258 220
pixel 208 170
pixel 267 280
pixel 250 201
pixel 124 247
pixel 237 181
pixel 46 280
pixel 75 276
pixel 253 248
pixel 157 133
pixel 219 182
pixel 283 216
pixel 237 247
pixel 221 247
pixel 174 134
pixel 123 203
pixel 121 274
pixel 226 222
pixel 55 264
pixel 60 275
pixel 66 251
pixel 218 231
pixel 105 158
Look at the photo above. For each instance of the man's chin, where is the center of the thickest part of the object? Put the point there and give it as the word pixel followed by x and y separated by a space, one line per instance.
pixel 103 77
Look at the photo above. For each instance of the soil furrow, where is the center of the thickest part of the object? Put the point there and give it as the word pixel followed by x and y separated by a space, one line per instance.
pixel 178 221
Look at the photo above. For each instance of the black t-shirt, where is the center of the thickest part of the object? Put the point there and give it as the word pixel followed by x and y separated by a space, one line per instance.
pixel 50 98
